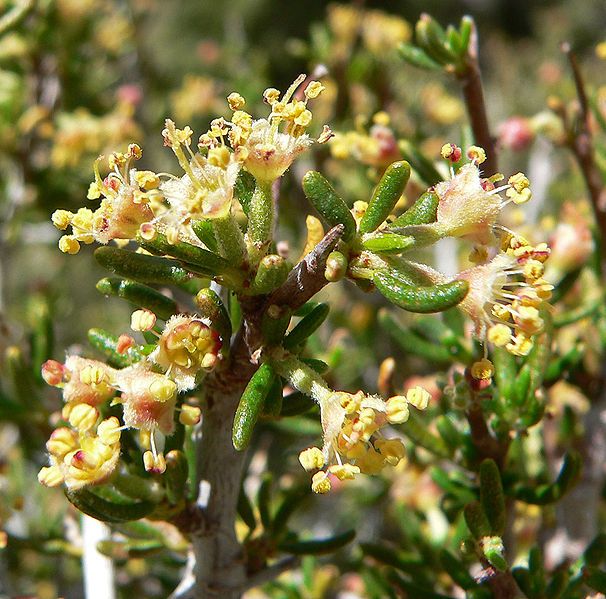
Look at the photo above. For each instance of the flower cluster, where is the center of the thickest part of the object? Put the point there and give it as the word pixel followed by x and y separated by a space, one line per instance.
pixel 87 451
pixel 145 202
pixel 353 441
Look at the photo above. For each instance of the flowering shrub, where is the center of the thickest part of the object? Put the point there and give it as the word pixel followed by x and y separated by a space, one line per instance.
pixel 482 428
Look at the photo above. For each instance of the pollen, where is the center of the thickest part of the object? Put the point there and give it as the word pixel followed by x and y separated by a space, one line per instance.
pixel 311 459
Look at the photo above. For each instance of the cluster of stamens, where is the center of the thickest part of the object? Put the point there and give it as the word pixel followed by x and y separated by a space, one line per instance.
pixel 353 441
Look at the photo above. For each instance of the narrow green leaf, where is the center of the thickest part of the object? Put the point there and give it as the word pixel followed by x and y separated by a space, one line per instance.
pixel 139 295
pixel 318 546
pixel 296 403
pixel 435 298
pixel 422 212
pixel 476 520
pixel 274 323
pixel 272 407
pixel 328 203
pixel 196 259
pixel 141 267
pixel 271 273
pixel 251 404
pixel 106 343
pixel 106 511
pixel 391 243
pixel 244 190
pixel 385 196
pixel 412 343
pixel 457 570
pixel 290 502
pixel 595 553
pixel 417 57
pixel 245 510
pixel 264 500
pixel 307 326
pixel 204 231
pixel 175 476
pixel 211 306
pixel 492 497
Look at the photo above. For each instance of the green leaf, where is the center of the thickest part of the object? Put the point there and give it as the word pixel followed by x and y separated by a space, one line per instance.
pixel 290 502
pixel 423 212
pixel 417 430
pixel 417 57
pixel 107 511
pixel 328 203
pixel 244 190
pixel 204 231
pixel 211 306
pixel 457 570
pixel 405 562
pixel 245 510
pixel 106 343
pixel 195 259
pixel 318 546
pixel 546 494
pixel 388 243
pixel 274 322
pixel 139 295
pixel 306 326
pixel 385 196
pixel 476 520
pixel 297 403
pixel 435 298
pixel 271 273
pixel 251 405
pixel 175 476
pixel 141 267
pixel 494 552
pixel 264 500
pixel 411 342
pixel 492 497
pixel 272 407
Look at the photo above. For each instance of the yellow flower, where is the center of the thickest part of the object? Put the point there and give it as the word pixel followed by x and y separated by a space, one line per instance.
pixel 187 346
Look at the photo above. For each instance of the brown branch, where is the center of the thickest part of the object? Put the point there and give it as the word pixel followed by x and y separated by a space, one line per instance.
pixel 307 278
pixel 581 144
pixel 473 94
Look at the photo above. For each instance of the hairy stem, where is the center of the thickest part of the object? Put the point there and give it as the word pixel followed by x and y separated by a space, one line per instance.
pixel 260 220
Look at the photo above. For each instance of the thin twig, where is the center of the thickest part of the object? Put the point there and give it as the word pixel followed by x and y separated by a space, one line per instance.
pixel 581 143
pixel 473 94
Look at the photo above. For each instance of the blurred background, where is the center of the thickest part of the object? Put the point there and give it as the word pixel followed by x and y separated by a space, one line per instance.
pixel 82 77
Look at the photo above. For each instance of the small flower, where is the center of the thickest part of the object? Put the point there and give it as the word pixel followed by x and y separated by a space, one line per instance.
pixel 190 415
pixel 187 346
pixel 148 399
pixel 320 483
pixel 83 381
pixel 505 296
pixel 80 459
pixel 271 145
pixel 483 370
pixel 311 459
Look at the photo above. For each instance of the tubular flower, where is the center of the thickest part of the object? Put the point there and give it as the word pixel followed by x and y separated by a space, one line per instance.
pixel 269 146
pixel 505 296
pixel 187 346
pixel 353 442
pixel 127 196
pixel 83 381
pixel 82 457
